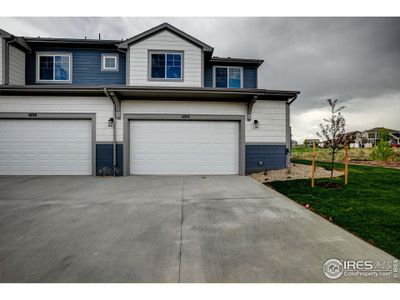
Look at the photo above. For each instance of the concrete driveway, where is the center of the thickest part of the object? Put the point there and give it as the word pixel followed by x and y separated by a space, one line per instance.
pixel 164 229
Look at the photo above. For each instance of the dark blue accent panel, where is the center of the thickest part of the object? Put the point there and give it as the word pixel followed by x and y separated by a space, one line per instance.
pixel 272 156
pixel 86 66
pixel 104 158
pixel 208 76
pixel 250 77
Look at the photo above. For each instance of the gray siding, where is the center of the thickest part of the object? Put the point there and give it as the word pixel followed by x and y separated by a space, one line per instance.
pixel 17 66
pixel 272 157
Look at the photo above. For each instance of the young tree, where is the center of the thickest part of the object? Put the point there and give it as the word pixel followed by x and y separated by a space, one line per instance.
pixel 383 135
pixel 333 130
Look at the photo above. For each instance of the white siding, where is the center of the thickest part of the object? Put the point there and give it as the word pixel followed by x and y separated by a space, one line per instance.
pixel 102 106
pixel 17 66
pixel 1 61
pixel 272 118
pixel 270 114
pixel 165 40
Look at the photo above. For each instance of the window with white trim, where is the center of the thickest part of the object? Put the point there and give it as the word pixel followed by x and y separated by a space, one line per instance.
pixel 54 67
pixel 166 65
pixel 109 62
pixel 228 77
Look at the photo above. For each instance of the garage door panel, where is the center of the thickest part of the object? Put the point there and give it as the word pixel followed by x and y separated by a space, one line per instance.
pixel 45 147
pixel 184 147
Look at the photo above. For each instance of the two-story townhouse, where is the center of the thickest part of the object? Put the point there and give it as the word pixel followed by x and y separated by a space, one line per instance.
pixel 157 103
pixel 371 137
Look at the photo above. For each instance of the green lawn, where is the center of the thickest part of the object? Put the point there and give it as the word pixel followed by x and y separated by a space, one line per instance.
pixel 369 207
pixel 324 154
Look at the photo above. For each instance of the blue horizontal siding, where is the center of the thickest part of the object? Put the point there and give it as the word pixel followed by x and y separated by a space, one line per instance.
pixel 86 66
pixel 249 77
pixel 208 76
pixel 104 157
pixel 272 157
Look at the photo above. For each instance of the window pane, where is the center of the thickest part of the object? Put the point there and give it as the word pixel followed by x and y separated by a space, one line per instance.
pixel 61 68
pixel 46 67
pixel 158 66
pixel 234 77
pixel 109 62
pixel 174 65
pixel 221 75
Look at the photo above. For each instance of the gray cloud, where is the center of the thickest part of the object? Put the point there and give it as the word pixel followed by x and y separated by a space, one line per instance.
pixel 353 59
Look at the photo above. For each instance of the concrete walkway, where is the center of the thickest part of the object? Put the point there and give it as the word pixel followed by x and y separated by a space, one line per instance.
pixel 165 229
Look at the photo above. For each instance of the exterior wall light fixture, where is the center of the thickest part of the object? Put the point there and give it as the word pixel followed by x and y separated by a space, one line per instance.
pixel 110 122
pixel 256 124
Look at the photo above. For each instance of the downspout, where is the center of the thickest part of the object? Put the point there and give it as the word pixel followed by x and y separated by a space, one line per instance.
pixel 7 60
pixel 116 105
pixel 289 131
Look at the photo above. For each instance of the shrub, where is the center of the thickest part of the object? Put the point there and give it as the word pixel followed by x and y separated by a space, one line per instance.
pixel 382 151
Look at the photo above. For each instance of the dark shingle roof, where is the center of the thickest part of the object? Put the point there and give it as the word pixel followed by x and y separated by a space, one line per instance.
pixel 236 60
pixel 377 129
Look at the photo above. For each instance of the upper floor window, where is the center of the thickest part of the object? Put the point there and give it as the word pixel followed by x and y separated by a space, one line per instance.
pixel 109 62
pixel 54 67
pixel 166 65
pixel 228 77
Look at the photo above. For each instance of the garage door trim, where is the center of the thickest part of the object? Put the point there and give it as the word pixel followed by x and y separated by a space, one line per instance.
pixel 59 116
pixel 183 118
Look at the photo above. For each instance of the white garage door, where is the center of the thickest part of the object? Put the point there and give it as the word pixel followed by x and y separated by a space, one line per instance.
pixel 184 147
pixel 45 147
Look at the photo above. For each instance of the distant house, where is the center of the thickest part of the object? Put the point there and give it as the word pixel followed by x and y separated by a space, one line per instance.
pixel 367 138
pixel 354 139
pixel 310 142
pixel 371 137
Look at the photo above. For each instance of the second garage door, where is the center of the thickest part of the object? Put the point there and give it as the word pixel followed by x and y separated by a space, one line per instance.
pixel 184 147
pixel 45 147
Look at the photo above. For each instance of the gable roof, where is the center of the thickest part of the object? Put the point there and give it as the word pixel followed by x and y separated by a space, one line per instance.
pixel 161 27
pixel 376 129
pixel 19 41
pixel 352 132
pixel 4 34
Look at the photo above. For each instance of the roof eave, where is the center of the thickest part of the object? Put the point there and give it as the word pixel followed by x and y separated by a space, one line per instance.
pixel 242 61
pixel 152 93
pixel 164 26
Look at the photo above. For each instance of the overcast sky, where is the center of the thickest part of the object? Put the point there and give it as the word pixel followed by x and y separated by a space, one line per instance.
pixel 356 60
